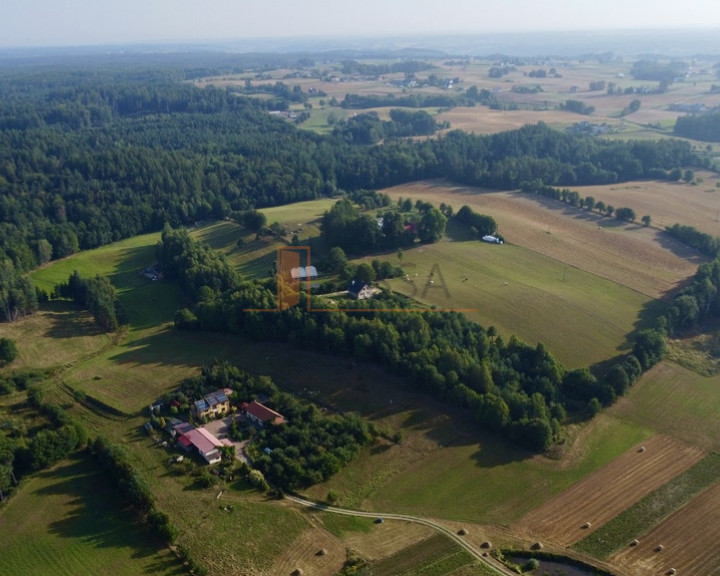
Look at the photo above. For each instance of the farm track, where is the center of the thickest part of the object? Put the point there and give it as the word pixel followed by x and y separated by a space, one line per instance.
pixel 495 566
pixel 602 495
pixel 685 547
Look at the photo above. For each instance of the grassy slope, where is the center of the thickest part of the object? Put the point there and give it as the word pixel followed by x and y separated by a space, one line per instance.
pixel 678 402
pixel 65 521
pixel 580 317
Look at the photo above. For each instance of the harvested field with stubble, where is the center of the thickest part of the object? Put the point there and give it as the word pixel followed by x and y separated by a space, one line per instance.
pixel 667 203
pixel 638 257
pixel 304 554
pixel 685 547
pixel 482 120
pixel 602 495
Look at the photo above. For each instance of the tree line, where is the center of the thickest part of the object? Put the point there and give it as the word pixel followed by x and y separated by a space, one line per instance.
pixel 704 126
pixel 367 128
pixel 24 451
pixel 344 226
pixel 97 295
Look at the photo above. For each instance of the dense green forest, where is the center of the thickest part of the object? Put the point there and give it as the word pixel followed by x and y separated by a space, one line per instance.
pixel 91 156
pixel 704 126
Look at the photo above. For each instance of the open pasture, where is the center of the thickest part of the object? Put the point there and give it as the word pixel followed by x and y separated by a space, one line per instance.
pixel 580 317
pixel 676 401
pixel 689 538
pixel 637 257
pixel 55 336
pixel 301 216
pixel 65 521
pixel 602 495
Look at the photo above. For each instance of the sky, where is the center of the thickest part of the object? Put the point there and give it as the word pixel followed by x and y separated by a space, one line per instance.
pixel 29 23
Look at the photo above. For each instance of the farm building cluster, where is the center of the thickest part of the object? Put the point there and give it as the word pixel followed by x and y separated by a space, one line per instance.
pixel 214 407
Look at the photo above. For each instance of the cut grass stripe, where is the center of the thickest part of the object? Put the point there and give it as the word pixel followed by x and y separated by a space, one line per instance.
pixel 652 509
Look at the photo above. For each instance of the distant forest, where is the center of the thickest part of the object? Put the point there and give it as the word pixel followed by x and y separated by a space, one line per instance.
pixel 89 156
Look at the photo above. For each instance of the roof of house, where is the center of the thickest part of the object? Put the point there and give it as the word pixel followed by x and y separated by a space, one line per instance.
pixel 183 427
pixel 303 272
pixel 184 441
pixel 212 399
pixel 203 440
pixel 356 286
pixel 210 436
pixel 263 413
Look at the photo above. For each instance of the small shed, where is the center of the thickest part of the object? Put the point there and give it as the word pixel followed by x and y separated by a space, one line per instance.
pixel 304 273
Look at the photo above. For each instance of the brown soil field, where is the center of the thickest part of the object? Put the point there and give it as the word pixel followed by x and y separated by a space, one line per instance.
pixel 667 203
pixel 483 120
pixel 689 538
pixel 605 493
pixel 632 255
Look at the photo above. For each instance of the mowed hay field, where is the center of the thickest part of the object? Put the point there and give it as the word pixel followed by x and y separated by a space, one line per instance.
pixel 66 522
pixel 55 336
pixel 675 401
pixel 628 254
pixel 602 495
pixel 689 538
pixel 667 203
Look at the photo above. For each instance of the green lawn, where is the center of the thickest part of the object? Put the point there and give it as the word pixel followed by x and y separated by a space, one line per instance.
pixel 148 303
pixel 65 521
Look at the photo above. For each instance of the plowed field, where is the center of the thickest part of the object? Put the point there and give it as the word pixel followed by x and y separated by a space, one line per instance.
pixel 605 493
pixel 689 538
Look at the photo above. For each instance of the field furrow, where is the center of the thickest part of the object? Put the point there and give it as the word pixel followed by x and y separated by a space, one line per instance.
pixel 604 494
pixel 688 538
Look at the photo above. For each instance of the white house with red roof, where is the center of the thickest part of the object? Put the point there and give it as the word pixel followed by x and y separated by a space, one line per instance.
pixel 207 445
pixel 260 414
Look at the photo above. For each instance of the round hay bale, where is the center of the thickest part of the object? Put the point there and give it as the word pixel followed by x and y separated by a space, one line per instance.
pixel 586 525
pixel 486 544
pixel 321 552
pixel 462 532
pixel 641 449
pixel 537 546
pixel 297 572
pixel 658 548
pixel 634 542
pixel 671 571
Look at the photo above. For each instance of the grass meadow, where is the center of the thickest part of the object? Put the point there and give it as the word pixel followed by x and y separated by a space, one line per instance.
pixel 582 318
pixel 675 401
pixel 65 521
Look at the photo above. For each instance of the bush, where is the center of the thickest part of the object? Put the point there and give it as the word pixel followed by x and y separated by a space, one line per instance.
pixel 8 351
